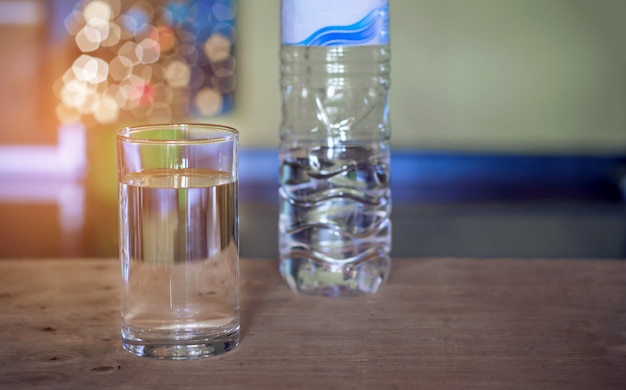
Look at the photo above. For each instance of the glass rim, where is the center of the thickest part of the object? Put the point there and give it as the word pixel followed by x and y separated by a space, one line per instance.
pixel 223 133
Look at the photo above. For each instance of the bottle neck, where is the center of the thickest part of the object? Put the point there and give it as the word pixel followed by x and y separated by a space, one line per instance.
pixel 335 70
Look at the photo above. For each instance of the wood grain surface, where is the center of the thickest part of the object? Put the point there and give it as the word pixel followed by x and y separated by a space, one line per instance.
pixel 437 324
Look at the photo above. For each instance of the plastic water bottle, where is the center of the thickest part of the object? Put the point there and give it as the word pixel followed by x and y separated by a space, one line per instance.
pixel 335 203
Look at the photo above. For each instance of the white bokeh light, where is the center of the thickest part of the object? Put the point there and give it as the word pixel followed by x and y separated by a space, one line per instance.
pixel 177 74
pixel 74 93
pixel 90 69
pixel 148 51
pixel 208 101
pixel 217 47
pixel 106 110
pixel 97 14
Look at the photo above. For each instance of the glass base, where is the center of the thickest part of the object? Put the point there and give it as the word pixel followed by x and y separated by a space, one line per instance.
pixel 306 276
pixel 182 349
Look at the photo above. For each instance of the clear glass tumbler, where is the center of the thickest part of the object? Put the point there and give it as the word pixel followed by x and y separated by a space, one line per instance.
pixel 179 247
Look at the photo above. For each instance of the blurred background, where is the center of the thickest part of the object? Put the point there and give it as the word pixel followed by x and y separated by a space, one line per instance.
pixel 508 119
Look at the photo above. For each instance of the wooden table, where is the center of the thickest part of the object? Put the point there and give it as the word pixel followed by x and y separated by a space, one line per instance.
pixel 438 323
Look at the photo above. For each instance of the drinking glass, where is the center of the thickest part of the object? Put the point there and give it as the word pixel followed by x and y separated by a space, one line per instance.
pixel 179 248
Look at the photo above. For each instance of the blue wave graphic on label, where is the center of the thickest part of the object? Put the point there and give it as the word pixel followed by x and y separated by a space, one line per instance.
pixel 373 29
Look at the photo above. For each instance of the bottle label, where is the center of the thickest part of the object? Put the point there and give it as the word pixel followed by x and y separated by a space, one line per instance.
pixel 335 22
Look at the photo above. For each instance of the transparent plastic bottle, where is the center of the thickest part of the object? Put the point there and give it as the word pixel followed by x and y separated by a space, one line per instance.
pixel 335 203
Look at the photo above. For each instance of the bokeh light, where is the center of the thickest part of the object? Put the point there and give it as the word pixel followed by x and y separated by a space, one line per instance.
pixel 177 73
pixel 217 48
pixel 90 69
pixel 97 13
pixel 157 60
